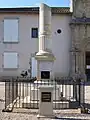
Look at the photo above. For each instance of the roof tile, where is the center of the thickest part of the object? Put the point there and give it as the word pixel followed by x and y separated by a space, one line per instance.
pixel 55 10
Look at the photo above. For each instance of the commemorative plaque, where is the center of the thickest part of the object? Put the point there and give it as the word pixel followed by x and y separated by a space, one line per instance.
pixel 46 96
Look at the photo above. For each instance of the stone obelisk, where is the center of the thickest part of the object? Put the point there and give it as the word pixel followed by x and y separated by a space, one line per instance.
pixel 44 57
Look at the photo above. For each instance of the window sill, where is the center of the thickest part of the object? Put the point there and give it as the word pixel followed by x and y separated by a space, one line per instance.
pixel 6 42
pixel 34 37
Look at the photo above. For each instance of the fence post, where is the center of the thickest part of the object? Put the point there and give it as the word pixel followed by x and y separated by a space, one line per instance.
pixel 82 89
pixel 5 94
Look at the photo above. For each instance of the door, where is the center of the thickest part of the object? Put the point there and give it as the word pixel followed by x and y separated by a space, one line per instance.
pixel 88 65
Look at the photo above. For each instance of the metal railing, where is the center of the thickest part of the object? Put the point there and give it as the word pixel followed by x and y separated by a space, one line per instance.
pixel 24 93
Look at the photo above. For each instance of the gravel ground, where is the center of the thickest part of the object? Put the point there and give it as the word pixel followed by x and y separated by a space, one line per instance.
pixel 27 114
pixel 33 116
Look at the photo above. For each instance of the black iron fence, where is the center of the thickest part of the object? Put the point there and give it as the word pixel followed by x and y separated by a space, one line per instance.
pixel 24 93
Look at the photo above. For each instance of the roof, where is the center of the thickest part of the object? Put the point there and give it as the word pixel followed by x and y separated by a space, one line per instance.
pixel 60 10
pixel 55 10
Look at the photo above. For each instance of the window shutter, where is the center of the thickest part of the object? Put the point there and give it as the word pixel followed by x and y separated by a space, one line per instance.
pixel 10 60
pixel 10 30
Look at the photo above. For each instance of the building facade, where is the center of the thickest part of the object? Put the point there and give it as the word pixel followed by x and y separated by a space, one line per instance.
pixel 19 28
pixel 19 39
pixel 80 28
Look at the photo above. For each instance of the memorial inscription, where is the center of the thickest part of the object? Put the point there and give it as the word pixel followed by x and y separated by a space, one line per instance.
pixel 46 96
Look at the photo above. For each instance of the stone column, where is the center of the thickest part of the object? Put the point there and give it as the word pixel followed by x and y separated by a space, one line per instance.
pixel 71 5
pixel 45 56
pixel 44 28
pixel 45 40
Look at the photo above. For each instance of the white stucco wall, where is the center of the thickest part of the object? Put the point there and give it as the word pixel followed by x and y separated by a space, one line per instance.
pixel 61 44
pixel 28 45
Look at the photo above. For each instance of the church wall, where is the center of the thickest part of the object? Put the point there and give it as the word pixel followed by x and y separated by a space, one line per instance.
pixel 81 8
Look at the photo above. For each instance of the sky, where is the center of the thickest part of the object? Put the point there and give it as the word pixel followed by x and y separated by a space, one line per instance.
pixel 29 3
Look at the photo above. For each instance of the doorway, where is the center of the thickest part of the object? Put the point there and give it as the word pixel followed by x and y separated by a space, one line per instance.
pixel 88 65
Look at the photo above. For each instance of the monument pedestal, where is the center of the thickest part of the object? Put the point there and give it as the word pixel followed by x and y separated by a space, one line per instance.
pixel 46 102
pixel 45 61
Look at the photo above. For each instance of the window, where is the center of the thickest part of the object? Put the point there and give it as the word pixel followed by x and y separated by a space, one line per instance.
pixel 34 32
pixel 10 60
pixel 10 30
pixel 59 31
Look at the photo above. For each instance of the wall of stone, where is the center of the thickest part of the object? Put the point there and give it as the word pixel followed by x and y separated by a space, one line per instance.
pixel 81 8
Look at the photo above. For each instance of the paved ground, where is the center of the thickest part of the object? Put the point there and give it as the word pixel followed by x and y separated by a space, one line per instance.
pixel 26 114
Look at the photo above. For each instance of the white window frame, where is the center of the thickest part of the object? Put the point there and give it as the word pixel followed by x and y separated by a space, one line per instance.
pixel 11 40
pixel 6 64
